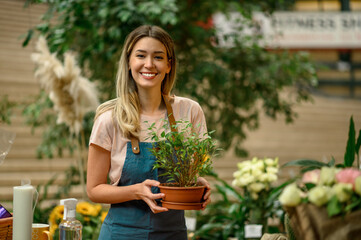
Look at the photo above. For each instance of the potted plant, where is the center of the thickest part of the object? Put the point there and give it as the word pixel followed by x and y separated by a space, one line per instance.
pixel 182 156
pixel 326 202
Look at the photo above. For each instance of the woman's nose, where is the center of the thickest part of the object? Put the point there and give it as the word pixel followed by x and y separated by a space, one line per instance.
pixel 149 62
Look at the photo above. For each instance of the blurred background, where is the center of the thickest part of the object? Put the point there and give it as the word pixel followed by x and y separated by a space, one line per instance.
pixel 289 95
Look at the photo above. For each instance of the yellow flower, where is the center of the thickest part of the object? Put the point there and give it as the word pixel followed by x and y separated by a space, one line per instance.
pixel 53 228
pixel 98 207
pixel 56 214
pixel 206 157
pixel 103 215
pixel 86 208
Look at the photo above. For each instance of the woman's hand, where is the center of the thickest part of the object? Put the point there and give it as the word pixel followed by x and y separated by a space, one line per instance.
pixel 145 194
pixel 207 195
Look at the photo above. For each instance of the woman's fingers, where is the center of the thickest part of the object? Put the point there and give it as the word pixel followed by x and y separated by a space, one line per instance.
pixel 157 196
pixel 207 195
pixel 149 198
pixel 152 183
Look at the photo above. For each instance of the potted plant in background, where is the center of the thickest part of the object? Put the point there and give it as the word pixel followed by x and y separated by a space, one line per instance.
pixel 181 157
pixel 255 179
pixel 252 200
pixel 326 202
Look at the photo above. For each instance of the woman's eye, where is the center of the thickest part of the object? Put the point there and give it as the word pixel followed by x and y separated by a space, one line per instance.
pixel 140 56
pixel 158 57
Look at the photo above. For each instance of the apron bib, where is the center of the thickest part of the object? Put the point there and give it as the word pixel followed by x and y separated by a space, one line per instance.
pixel 134 220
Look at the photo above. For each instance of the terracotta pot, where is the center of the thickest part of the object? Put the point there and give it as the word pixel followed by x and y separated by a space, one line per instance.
pixel 187 198
pixel 182 194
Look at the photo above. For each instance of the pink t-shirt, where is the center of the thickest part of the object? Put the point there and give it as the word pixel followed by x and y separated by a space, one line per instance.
pixel 104 133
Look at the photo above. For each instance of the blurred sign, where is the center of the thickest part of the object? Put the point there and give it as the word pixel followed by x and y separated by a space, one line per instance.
pixel 304 30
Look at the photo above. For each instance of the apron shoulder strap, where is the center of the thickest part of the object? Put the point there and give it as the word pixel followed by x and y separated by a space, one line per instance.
pixel 171 118
pixel 135 141
pixel 135 144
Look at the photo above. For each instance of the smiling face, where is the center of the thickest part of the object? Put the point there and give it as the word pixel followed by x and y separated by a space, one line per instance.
pixel 148 63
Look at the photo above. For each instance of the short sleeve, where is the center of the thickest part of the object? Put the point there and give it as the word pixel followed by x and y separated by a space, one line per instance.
pixel 103 131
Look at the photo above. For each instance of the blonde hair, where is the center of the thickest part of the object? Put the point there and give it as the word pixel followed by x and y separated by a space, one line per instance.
pixel 126 107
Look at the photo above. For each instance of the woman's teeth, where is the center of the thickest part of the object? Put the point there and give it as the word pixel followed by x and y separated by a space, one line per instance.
pixel 148 74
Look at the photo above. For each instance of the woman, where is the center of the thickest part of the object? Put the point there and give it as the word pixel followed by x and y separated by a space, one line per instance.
pixel 119 147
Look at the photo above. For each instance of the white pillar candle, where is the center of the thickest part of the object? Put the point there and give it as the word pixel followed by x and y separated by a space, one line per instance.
pixel 22 212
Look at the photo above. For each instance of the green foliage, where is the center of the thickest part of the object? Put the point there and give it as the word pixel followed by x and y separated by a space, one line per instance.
pixel 352 148
pixel 309 164
pixel 182 155
pixel 227 216
pixel 6 109
pixel 227 82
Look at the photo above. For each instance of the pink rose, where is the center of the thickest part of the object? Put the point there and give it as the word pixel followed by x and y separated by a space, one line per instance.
pixel 348 175
pixel 311 176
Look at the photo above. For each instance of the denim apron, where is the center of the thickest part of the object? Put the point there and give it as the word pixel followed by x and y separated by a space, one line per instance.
pixel 134 220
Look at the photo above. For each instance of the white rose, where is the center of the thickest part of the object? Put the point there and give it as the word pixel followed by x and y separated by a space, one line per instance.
pixel 263 177
pixel 319 195
pixel 343 191
pixel 358 185
pixel 245 167
pixel 327 176
pixel 272 170
pixel 271 177
pixel 256 172
pixel 271 162
pixel 256 187
pixel 290 196
pixel 259 165
pixel 245 180
pixel 237 174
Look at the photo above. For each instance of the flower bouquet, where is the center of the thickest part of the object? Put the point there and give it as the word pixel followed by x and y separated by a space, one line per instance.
pixel 255 178
pixel 326 203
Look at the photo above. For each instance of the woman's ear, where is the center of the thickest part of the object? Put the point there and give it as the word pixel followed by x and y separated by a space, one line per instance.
pixel 169 65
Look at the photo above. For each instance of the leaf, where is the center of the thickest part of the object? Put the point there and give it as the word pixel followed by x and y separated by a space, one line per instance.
pixel 358 143
pixel 350 147
pixel 28 37
pixel 333 207
pixel 353 204
pixel 310 185
pixel 228 188
pixel 305 163
pixel 332 162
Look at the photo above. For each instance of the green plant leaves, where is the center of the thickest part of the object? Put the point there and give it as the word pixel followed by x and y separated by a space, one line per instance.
pixel 358 144
pixel 227 86
pixel 306 163
pixel 349 157
pixel 182 155
pixel 334 207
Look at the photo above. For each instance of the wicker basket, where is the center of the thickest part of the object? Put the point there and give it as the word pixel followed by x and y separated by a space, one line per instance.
pixel 6 228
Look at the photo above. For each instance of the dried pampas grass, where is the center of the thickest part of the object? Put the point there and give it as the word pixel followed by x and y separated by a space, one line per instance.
pixel 72 94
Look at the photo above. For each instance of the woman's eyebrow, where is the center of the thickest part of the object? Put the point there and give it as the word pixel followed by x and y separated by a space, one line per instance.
pixel 143 51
